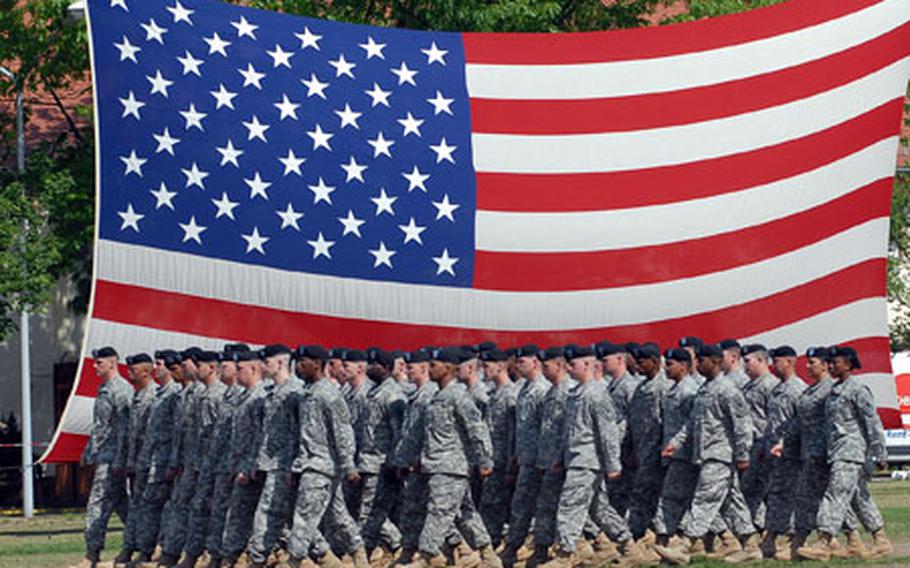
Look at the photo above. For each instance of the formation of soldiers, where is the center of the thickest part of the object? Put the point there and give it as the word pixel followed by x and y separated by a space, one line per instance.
pixel 474 457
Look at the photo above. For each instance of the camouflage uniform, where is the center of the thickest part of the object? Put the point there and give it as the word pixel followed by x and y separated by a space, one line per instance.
pixel 646 435
pixel 497 493
pixel 217 461
pixel 754 481
pixel 739 377
pixel 454 437
pixel 682 474
pixel 621 391
pixel 549 454
pixel 325 452
pixel 480 394
pixel 719 432
pixel 246 438
pixel 782 491
pixel 415 491
pixel 591 450
pixel 152 461
pixel 528 417
pixel 356 399
pixel 139 414
pixel 276 453
pixel 855 441
pixel 106 450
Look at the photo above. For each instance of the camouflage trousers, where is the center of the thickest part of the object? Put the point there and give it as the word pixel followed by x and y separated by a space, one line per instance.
pixel 620 490
pixel 717 493
pixel 547 507
pixel 449 506
pixel 238 524
pixel 813 480
pixel 782 495
pixel 199 513
pixel 675 497
pixel 754 483
pixel 647 484
pixel 320 503
pixel 221 497
pixel 494 504
pixel 132 528
pixel 847 486
pixel 376 505
pixel 524 505
pixel 176 513
pixel 273 514
pixel 579 500
pixel 108 495
pixel 415 493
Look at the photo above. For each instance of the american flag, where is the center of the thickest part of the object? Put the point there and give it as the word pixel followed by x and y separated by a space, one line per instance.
pixel 269 178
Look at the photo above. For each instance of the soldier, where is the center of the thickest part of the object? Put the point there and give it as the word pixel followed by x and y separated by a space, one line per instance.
pixel 334 368
pixel 757 391
pixel 454 437
pixel 217 459
pixel 325 453
pixel 682 474
pixel 154 455
pixel 356 387
pixel 400 372
pixel 621 385
pixel 719 434
pixel 645 420
pixel 106 450
pixel 855 446
pixel 691 344
pixel 246 438
pixel 180 468
pixel 732 363
pixel 380 430
pixel 468 373
pixel 415 491
pixel 276 453
pixel 549 452
pixel 139 368
pixel 785 466
pixel 590 450
pixel 528 418
pixel 497 489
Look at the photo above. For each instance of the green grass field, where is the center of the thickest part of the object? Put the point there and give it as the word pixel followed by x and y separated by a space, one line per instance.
pixel 54 540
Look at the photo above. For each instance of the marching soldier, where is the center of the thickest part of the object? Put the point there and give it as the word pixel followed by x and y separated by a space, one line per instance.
pixel 732 364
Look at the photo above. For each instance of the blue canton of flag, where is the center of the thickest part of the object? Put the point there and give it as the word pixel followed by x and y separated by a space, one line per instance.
pixel 291 143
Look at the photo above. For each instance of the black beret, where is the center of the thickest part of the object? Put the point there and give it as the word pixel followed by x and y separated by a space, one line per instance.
pixel 709 350
pixel 464 355
pixel 430 348
pixel 397 354
pixel 678 354
pixel 102 352
pixel 337 352
pixel 229 347
pixel 225 356
pixel 166 353
pixel 383 358
pixel 728 344
pixel 551 353
pixel 783 351
pixel 648 351
pixel 354 355
pixel 605 348
pixel 275 349
pixel 419 356
pixel 752 348
pixel 371 354
pixel 822 353
pixel 494 355
pixel 485 346
pixel 190 353
pixel 470 349
pixel 447 355
pixel 207 357
pixel 848 353
pixel 311 352
pixel 138 359
pixel 529 350
pixel 631 348
pixel 578 351
pixel 690 341
pixel 512 351
pixel 246 355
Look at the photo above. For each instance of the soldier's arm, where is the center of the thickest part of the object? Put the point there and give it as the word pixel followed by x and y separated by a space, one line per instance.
pixel 870 424
pixel 738 410
pixel 121 425
pixel 510 429
pixel 467 415
pixel 397 409
pixel 339 422
pixel 603 417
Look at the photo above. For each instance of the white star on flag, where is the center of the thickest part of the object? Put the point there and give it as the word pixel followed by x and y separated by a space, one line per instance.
pixel 180 13
pixel 131 106
pixel 120 4
pixel 416 180
pixel 441 104
pixel 351 224
pixel 443 151
pixel 321 246
pixel 342 66
pixel 251 76
pixel 223 97
pixel 127 50
pixel 133 163
pixel 191 230
pixel 382 255
pixel 320 138
pixel 411 125
pixel 163 197
pixel 291 163
pixel 321 192
pixel 258 186
pixel 381 146
pixel 225 206
pixel 245 28
pixel 216 44
pixel 289 217
pixel 405 75
pixel 153 31
pixel 353 170
pixel 193 117
pixel 166 142
pixel 194 176
pixel 256 129
pixel 280 57
pixel 445 208
pixel 159 83
pixel 379 96
pixel 373 49
pixel 412 232
pixel 445 263
pixel 308 39
pixel 254 241
pixel 190 64
pixel 434 54
pixel 349 117
pixel 229 154
pixel 384 203
pixel 314 86
pixel 287 108
pixel 130 218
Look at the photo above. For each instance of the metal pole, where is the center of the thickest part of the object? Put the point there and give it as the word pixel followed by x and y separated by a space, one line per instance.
pixel 28 489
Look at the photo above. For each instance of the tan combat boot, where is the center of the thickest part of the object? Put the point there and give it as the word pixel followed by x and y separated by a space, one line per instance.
pixel 698 550
pixel 677 555
pixel 854 547
pixel 584 552
pixel 508 556
pixel 187 562
pixel 648 538
pixel 726 544
pixel 489 558
pixel 881 546
pixel 92 557
pixel 604 549
pixel 525 552
pixel 768 545
pixel 820 551
pixel 329 560
pixel 749 553
pixel 563 559
pixel 360 558
pixel 541 556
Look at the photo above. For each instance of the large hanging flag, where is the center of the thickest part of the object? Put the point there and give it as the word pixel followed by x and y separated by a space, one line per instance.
pixel 269 178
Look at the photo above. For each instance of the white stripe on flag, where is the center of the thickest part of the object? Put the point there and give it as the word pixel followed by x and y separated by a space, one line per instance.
pixel 78 416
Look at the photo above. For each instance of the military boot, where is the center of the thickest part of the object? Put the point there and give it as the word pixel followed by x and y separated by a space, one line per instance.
pixel 407 556
pixel 604 549
pixel 524 552
pixel 188 561
pixel 698 549
pixel 854 547
pixel 92 557
pixel 125 556
pixel 488 558
pixel 648 538
pixel 214 562
pixel 749 553
pixel 360 558
pixel 633 552
pixel 563 559
pixel 726 544
pixel 508 556
pixel 423 560
pixel 820 551
pixel 329 560
pixel 584 553
pixel 541 556
pixel 168 560
pixel 291 562
pixel 881 546
pixel 768 545
pixel 677 555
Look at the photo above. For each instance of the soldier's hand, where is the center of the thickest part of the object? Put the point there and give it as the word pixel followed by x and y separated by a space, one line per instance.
pixel 668 451
pixel 485 472
pixel 614 475
pixel 882 465
pixel 354 477
pixel 242 479
pixel 742 465
pixel 777 450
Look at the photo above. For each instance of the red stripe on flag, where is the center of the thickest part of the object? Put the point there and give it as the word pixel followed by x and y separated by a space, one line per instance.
pixel 699 104
pixel 695 180
pixel 564 271
pixel 874 354
pixel 67 448
pixel 643 43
